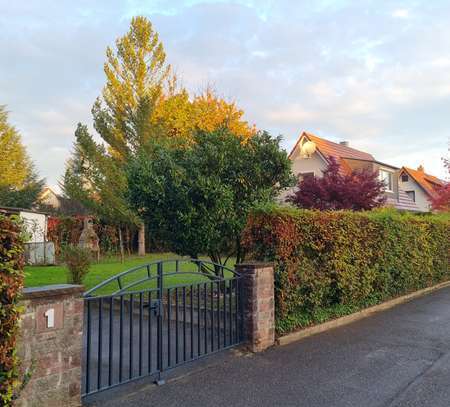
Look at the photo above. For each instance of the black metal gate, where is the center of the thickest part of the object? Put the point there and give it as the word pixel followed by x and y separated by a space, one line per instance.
pixel 158 316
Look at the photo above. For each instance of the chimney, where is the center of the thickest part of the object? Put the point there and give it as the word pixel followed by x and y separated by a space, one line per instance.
pixel 344 143
pixel 420 168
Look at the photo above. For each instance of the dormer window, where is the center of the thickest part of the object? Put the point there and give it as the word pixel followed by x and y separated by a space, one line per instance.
pixel 405 178
pixel 387 177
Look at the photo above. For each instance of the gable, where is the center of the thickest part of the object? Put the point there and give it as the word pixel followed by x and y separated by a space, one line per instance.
pixel 425 181
pixel 326 149
pixel 316 163
pixel 331 149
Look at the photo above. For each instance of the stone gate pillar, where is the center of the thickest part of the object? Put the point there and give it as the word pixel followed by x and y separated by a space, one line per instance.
pixel 50 346
pixel 259 304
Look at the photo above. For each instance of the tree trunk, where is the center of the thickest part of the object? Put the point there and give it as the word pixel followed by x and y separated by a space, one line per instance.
pixel 128 241
pixel 141 240
pixel 122 257
pixel 239 252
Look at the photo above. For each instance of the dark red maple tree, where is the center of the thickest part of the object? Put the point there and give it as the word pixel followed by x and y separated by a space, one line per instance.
pixel 440 201
pixel 358 190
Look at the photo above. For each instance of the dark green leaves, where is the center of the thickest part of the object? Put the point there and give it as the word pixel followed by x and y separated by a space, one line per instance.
pixel 198 199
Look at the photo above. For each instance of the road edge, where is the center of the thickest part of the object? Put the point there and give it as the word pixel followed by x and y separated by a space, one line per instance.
pixel 347 319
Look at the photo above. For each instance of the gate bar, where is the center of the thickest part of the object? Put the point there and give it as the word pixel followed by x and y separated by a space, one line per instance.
pixel 149 332
pixel 100 343
pixel 184 324
pixel 110 350
pixel 131 336
pixel 198 322
pixel 88 347
pixel 141 316
pixel 192 321
pixel 204 317
pixel 160 381
pixel 176 325
pixel 121 339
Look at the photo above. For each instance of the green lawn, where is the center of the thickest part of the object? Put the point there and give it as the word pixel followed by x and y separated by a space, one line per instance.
pixel 99 272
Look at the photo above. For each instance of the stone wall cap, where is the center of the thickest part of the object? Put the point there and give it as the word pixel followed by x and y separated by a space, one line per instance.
pixel 51 290
pixel 255 264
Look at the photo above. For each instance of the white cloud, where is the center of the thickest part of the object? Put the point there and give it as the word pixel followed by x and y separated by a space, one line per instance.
pixel 291 114
pixel 345 70
pixel 401 13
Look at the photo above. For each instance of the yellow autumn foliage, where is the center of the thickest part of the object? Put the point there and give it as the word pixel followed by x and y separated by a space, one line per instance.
pixel 15 165
pixel 210 112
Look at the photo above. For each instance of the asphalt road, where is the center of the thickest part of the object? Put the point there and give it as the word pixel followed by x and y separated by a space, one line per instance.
pixel 400 357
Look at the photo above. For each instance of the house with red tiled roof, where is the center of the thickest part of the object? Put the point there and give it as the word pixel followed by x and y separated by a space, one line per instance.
pixel 311 155
pixel 419 186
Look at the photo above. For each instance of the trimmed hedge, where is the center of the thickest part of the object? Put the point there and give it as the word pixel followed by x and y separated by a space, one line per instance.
pixel 11 283
pixel 329 264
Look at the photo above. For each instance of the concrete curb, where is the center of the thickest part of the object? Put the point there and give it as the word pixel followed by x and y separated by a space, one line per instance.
pixel 336 323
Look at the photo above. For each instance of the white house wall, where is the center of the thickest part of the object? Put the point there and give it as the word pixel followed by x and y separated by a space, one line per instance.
pixel 36 226
pixel 51 199
pixel 300 165
pixel 421 197
pixel 314 164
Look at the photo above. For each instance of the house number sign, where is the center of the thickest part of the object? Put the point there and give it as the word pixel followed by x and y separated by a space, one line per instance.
pixel 49 317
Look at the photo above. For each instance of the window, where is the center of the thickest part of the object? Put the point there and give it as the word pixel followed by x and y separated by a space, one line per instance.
pixel 405 178
pixel 412 195
pixel 386 177
pixel 305 175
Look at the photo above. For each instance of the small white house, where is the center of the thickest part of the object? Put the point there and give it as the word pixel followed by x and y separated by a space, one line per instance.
pixel 37 249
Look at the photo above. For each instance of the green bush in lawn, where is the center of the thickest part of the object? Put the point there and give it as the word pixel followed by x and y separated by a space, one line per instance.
pixel 77 261
pixel 329 264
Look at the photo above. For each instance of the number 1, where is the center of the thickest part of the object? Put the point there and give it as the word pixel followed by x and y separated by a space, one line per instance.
pixel 50 316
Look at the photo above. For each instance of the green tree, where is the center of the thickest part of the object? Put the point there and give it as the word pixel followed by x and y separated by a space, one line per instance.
pixel 19 182
pixel 197 199
pixel 140 103
pixel 22 198
pixel 136 77
pixel 95 177
pixel 97 180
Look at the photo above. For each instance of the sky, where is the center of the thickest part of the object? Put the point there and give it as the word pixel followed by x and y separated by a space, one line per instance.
pixel 374 73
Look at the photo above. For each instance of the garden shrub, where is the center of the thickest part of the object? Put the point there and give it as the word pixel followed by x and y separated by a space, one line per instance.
pixel 66 230
pixel 11 283
pixel 77 260
pixel 329 264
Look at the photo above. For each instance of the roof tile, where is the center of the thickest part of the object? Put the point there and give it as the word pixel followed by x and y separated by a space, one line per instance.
pixel 329 148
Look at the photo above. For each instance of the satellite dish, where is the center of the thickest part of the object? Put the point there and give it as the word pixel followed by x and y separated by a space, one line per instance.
pixel 307 149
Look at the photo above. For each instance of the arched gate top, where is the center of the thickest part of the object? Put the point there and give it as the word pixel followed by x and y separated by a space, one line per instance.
pixel 160 269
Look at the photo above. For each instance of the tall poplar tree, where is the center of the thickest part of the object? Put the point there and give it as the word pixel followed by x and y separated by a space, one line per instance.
pixel 136 75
